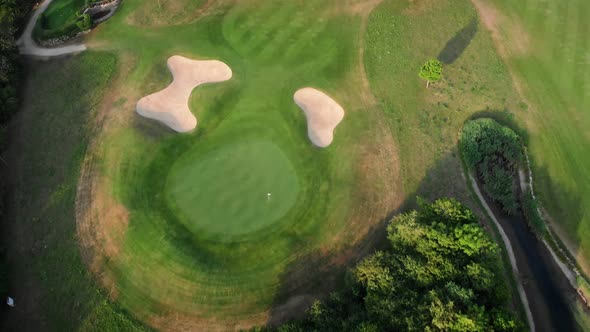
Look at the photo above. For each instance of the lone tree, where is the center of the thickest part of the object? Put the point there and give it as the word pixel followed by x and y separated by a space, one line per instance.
pixel 431 71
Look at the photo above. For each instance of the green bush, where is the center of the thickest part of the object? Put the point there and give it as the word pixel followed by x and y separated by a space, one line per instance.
pixel 441 272
pixel 531 212
pixel 84 22
pixel 494 152
pixel 81 23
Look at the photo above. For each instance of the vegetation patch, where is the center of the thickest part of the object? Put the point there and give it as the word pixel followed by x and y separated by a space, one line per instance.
pixel 438 273
pixel 63 18
pixel 494 153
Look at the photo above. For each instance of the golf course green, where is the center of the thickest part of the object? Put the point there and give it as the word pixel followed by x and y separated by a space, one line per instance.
pixel 232 191
pixel 244 222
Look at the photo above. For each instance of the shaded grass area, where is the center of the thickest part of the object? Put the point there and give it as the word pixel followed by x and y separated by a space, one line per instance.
pixel 556 71
pixel 47 142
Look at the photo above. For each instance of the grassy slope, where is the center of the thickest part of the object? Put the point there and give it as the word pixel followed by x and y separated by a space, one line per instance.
pixel 555 69
pixel 53 135
pixel 274 48
pixel 426 122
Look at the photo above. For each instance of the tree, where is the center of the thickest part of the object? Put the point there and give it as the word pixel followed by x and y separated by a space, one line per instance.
pixel 441 272
pixel 494 152
pixel 431 71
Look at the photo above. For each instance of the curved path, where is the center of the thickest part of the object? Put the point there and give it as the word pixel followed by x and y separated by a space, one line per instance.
pixel 545 291
pixel 28 46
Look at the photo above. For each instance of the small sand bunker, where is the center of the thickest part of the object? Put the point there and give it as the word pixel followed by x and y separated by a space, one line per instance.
pixel 323 115
pixel 170 105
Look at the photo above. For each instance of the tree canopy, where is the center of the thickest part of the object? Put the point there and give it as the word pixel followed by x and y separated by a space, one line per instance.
pixel 494 152
pixel 431 71
pixel 441 272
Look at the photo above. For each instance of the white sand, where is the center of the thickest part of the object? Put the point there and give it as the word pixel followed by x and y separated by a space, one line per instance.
pixel 27 45
pixel 323 115
pixel 170 105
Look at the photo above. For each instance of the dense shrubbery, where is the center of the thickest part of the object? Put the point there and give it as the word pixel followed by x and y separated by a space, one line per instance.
pixel 72 27
pixel 494 152
pixel 441 272
pixel 530 208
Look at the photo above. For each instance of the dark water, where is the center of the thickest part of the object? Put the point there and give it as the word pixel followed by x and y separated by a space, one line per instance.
pixel 547 288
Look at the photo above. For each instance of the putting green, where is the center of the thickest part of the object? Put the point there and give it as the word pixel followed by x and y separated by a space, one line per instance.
pixel 225 193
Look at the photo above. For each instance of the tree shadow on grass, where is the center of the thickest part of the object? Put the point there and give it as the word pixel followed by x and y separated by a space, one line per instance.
pixel 298 290
pixel 457 45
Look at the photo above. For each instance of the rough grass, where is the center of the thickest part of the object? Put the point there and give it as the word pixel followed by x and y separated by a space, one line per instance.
pixel 49 281
pixel 555 74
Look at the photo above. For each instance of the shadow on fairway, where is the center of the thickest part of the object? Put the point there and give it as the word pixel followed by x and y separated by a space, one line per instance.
pixel 298 291
pixel 457 45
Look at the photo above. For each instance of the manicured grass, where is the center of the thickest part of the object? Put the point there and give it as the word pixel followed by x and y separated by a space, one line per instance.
pixel 203 239
pixel 555 71
pixel 46 153
pixel 225 192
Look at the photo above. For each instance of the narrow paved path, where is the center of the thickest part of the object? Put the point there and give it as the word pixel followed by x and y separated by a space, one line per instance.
pixel 28 46
pixel 510 250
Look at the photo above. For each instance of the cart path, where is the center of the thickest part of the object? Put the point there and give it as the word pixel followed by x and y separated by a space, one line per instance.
pixel 28 46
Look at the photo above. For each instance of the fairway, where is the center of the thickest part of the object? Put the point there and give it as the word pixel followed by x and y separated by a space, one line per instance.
pixel 232 191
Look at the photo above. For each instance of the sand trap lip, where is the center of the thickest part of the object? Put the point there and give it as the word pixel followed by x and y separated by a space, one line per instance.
pixel 323 115
pixel 170 106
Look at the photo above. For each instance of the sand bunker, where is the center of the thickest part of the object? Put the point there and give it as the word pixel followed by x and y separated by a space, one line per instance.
pixel 323 115
pixel 170 105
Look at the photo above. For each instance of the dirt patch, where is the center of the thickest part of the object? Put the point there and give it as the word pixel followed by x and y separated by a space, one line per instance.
pixel 323 115
pixel 101 228
pixel 510 37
